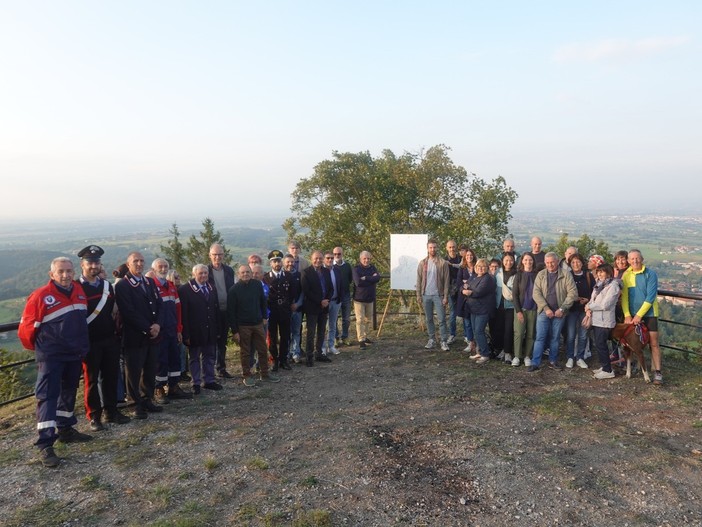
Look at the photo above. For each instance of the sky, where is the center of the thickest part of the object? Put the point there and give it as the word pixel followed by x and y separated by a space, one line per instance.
pixel 214 108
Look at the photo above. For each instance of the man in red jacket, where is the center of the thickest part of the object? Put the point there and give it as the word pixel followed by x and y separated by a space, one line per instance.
pixel 54 325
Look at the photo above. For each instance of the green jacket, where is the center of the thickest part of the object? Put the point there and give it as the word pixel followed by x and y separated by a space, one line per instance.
pixel 566 290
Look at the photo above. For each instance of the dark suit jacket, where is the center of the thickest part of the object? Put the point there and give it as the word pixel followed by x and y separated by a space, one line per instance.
pixel 138 309
pixel 200 314
pixel 312 289
pixel 339 278
pixel 282 292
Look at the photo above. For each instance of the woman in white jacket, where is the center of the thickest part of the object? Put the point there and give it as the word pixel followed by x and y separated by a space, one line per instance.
pixel 601 309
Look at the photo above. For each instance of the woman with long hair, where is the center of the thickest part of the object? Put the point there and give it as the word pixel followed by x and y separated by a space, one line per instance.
pixel 506 286
pixel 524 310
pixel 465 273
pixel 574 328
pixel 480 295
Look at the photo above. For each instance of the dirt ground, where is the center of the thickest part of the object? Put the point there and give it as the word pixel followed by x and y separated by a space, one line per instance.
pixel 391 435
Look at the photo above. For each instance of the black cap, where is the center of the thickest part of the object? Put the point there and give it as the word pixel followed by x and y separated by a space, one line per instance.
pixel 275 255
pixel 91 253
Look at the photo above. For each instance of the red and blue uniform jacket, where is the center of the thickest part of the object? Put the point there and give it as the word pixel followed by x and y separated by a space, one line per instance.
pixel 172 318
pixel 54 324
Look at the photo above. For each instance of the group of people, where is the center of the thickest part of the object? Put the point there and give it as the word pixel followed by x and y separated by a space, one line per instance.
pixel 130 339
pixel 518 308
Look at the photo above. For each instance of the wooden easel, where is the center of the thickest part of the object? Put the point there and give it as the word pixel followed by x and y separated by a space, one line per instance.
pixel 387 306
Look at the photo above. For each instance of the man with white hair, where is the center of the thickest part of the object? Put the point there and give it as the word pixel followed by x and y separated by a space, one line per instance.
pixel 168 367
pixel 221 278
pixel 200 316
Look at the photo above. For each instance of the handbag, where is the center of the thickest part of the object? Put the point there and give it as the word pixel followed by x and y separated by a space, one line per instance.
pixel 507 289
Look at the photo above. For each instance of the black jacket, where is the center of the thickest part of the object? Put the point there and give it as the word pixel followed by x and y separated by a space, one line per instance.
pixel 312 289
pixel 139 308
pixel 200 314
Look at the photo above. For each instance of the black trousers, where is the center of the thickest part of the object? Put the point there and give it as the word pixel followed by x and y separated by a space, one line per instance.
pixel 221 360
pixel 140 363
pixel 316 326
pixel 279 333
pixel 100 376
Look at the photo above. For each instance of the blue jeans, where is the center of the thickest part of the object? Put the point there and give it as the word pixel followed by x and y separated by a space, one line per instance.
pixel 548 333
pixel 468 328
pixel 345 317
pixel 575 329
pixel 334 309
pixel 479 324
pixel 433 306
pixel 452 316
pixel 295 333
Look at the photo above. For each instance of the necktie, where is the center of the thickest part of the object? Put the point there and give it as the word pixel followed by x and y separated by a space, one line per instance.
pixel 206 292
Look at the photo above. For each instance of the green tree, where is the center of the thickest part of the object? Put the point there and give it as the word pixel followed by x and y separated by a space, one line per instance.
pixel 586 246
pixel 197 250
pixel 357 201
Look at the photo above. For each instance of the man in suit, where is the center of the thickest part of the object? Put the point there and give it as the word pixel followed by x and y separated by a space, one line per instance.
pixel 281 295
pixel 221 278
pixel 200 316
pixel 347 280
pixel 140 307
pixel 334 303
pixel 317 289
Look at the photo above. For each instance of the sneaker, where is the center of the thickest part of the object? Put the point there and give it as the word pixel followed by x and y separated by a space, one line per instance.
pixel 555 366
pixel 430 344
pixel 598 370
pixel 451 339
pixel 270 378
pixel 527 361
pixel 468 348
pixel 515 361
pixel 250 382
pixel 160 396
pixel 362 345
pixel 482 360
pixel 569 363
pixel 117 417
pixel 475 356
pixel 71 435
pixel 501 356
pixel 582 364
pixel 444 346
pixel 346 342
pixel 96 425
pixel 533 368
pixel 334 351
pixel 212 386
pixel 48 457
pixel 297 359
pixel 657 378
pixel 508 358
pixel 604 375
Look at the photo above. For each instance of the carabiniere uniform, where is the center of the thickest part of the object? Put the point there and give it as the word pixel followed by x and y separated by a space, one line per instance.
pixel 280 297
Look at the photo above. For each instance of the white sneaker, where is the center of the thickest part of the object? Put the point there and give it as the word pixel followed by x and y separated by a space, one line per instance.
pixel 467 348
pixel 515 361
pixel 501 356
pixel 569 363
pixel 527 361
pixel 482 360
pixel 430 344
pixel 334 350
pixel 444 346
pixel 598 370
pixel 604 375
pixel 582 364
pixel 508 358
pixel 475 356
pixel 451 339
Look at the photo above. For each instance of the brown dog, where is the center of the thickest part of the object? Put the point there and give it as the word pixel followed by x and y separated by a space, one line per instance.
pixel 630 337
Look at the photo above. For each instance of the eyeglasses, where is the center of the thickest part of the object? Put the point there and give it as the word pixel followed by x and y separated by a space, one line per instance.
pixel 216 254
pixel 337 254
pixel 328 257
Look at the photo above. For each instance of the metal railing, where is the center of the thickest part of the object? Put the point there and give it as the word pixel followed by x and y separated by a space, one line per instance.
pixel 13 326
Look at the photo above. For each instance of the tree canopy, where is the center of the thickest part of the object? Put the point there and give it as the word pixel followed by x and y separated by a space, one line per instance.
pixel 586 246
pixel 184 257
pixel 356 201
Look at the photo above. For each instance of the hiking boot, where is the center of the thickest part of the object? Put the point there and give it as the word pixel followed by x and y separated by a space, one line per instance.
pixel 657 378
pixel 160 396
pixel 48 457
pixel 176 392
pixel 249 381
pixel 71 435
pixel 116 417
pixel 96 425
pixel 430 344
pixel 604 375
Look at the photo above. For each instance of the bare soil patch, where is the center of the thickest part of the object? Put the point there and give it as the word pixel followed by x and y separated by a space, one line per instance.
pixel 391 435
